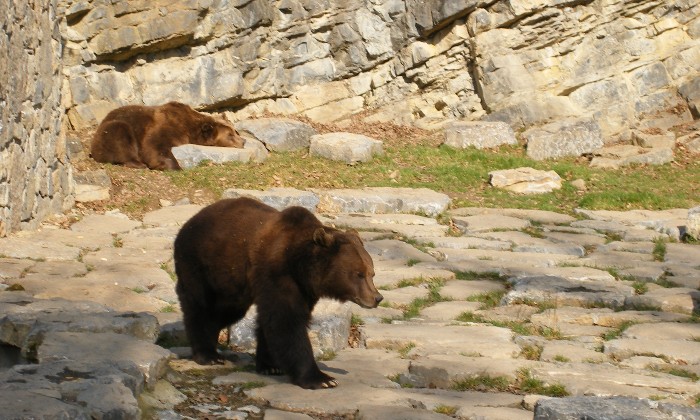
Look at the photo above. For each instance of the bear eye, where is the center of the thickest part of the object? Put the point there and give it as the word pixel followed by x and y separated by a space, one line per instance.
pixel 360 275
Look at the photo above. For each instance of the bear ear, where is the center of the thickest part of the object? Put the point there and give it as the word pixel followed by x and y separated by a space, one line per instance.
pixel 207 130
pixel 323 237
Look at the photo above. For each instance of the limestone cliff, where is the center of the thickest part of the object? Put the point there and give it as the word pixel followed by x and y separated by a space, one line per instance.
pixel 620 63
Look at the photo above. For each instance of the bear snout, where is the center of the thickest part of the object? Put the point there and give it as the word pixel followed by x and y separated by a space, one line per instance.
pixel 369 302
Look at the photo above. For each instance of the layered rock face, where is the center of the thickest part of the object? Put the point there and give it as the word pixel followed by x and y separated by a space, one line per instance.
pixel 616 63
pixel 34 173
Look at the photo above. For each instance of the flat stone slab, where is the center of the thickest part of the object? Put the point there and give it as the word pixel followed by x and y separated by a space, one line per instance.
pixel 465 242
pixel 442 371
pixel 482 340
pixel 568 292
pixel 85 347
pixel 599 380
pixel 602 316
pixel 383 200
pixel 572 137
pixel 191 155
pixel 395 250
pixel 409 225
pixel 21 247
pixel 610 408
pixel 279 198
pixel 171 215
pixel 447 311
pixel 539 216
pixel 404 295
pixel 677 351
pixel 664 331
pixel 489 222
pixel 101 223
pixel 463 289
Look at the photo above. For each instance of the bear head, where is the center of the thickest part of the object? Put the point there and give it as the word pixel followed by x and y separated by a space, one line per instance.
pixel 349 272
pixel 221 133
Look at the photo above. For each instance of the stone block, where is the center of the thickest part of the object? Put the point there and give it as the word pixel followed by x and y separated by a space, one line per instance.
pixel 279 198
pixel 279 134
pixel 692 226
pixel 383 200
pixel 525 180
pixel 479 134
pixel 610 407
pixel 572 137
pixel 191 155
pixel 646 140
pixel 345 147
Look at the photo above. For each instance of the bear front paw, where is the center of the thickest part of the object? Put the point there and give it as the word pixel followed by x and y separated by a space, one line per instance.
pixel 322 382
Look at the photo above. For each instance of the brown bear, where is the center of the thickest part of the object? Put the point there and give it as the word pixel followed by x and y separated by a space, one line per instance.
pixel 237 252
pixel 140 136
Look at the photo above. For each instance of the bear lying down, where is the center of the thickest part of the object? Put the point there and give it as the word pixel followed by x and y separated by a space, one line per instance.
pixel 237 252
pixel 143 136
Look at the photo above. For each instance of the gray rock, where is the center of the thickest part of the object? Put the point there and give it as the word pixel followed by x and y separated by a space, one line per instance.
pixel 610 408
pixel 345 147
pixel 525 180
pixel 279 198
pixel 692 227
pixel 92 185
pixel 191 155
pixel 563 138
pixel 479 134
pixel 134 354
pixel 279 134
pixel 568 292
pixel 328 331
pixel 383 200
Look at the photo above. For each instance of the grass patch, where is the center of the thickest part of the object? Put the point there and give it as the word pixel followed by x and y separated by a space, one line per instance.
pixel 676 371
pixel 252 385
pixel 659 251
pixel 413 309
pixel 412 261
pixel 461 174
pixel 168 309
pixel 473 275
pixel 117 242
pixel 327 355
pixel 447 410
pixel 356 320
pixel 561 358
pixel 410 282
pixel 531 352
pixel 488 300
pixel 528 384
pixel 165 267
pixel 617 332
pixel 403 351
pixel 520 328
pixel 482 383
pixel 640 287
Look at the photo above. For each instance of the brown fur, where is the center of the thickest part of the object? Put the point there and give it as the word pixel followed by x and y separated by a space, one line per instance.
pixel 238 252
pixel 143 136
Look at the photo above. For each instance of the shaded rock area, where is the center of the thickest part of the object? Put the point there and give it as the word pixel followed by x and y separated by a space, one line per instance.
pixel 489 313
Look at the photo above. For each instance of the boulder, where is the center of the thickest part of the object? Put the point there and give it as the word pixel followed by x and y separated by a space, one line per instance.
pixel 479 134
pixel 525 180
pixel 279 134
pixel 345 147
pixel 191 155
pixel 572 137
pixel 279 198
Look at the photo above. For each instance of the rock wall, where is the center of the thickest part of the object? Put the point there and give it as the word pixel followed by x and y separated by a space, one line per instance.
pixel 35 177
pixel 525 62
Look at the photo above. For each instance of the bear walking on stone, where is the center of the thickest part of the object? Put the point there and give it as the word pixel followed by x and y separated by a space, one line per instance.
pixel 140 136
pixel 237 252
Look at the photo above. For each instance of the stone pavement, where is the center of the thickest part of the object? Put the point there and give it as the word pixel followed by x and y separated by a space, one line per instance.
pixel 494 314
